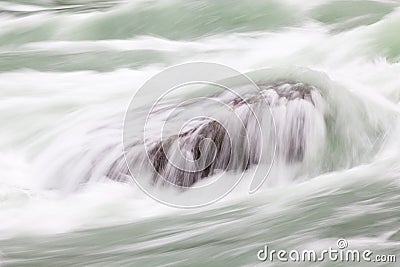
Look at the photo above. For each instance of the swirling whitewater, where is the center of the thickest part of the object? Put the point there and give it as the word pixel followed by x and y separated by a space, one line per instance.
pixel 70 67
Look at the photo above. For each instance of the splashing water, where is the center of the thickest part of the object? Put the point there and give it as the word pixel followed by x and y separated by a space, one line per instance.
pixel 328 70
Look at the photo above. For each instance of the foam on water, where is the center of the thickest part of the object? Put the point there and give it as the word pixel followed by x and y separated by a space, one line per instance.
pixel 67 78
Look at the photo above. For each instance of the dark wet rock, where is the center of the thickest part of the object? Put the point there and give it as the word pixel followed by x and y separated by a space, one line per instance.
pixel 229 153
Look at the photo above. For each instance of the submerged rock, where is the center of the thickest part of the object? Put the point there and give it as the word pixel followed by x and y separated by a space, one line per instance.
pixel 274 122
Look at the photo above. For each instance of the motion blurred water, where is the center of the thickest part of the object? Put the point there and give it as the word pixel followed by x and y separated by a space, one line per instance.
pixel 68 68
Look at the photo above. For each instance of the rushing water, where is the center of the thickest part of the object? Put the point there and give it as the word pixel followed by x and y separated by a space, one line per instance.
pixel 68 70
